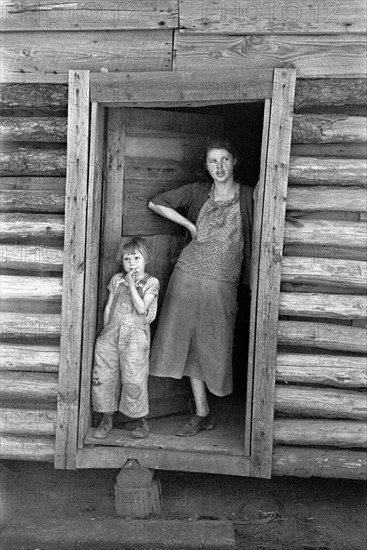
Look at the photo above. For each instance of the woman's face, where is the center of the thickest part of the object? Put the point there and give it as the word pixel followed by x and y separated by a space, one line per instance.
pixel 220 165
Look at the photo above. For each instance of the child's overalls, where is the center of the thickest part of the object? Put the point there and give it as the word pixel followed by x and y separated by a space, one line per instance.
pixel 122 352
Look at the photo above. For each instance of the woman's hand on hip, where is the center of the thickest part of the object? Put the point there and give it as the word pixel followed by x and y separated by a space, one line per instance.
pixel 193 233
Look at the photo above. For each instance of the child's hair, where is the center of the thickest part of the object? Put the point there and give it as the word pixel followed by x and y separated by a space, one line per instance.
pixel 135 244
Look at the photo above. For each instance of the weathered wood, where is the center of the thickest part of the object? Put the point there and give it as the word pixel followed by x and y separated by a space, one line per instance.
pixel 311 56
pixel 31 327
pixel 32 201
pixel 22 357
pixel 276 179
pixel 143 51
pixel 39 420
pixel 330 233
pixel 341 376
pixel 30 288
pixel 334 433
pixel 330 463
pixel 43 97
pixel 326 171
pixel 323 92
pixel 75 256
pixel 320 402
pixel 332 272
pixel 322 335
pixel 22 227
pixel 22 257
pixel 329 129
pixel 52 129
pixel 27 160
pixel 329 150
pixel 22 387
pixel 47 15
pixel 17 447
pixel 33 183
pixel 234 17
pixel 333 306
pixel 324 198
pixel 319 251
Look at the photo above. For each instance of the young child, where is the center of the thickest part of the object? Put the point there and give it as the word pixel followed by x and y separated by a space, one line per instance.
pixel 123 347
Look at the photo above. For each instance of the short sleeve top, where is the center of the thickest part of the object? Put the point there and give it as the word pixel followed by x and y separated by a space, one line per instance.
pixel 123 305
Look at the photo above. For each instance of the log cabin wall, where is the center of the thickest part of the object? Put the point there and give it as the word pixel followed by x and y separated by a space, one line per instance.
pixel 320 408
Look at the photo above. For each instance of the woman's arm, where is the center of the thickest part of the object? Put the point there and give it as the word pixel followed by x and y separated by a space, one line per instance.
pixel 174 216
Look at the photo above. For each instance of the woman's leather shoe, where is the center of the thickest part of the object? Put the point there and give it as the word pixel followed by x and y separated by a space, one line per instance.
pixel 195 425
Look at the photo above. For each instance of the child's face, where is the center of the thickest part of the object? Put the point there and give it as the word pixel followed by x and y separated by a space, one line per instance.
pixel 134 262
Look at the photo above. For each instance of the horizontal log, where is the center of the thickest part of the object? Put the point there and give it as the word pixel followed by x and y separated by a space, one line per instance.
pixel 21 387
pixel 329 128
pixel 23 357
pixel 39 97
pixel 334 306
pixel 236 18
pixel 336 92
pixel 312 56
pixel 22 419
pixel 18 447
pixel 50 129
pixel 326 171
pixel 33 183
pixel 26 160
pixel 318 251
pixel 329 463
pixel 27 327
pixel 326 198
pixel 49 202
pixel 22 257
pixel 313 402
pixel 329 150
pixel 322 335
pixel 331 233
pixel 80 16
pixel 149 50
pixel 23 227
pixel 341 371
pixel 334 433
pixel 30 288
pixel 334 273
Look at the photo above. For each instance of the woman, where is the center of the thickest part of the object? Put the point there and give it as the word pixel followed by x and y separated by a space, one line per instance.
pixel 194 337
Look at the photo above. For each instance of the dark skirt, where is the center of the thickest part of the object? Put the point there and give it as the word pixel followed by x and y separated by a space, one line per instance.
pixel 194 336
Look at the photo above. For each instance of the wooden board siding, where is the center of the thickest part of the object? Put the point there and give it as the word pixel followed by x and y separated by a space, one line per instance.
pixel 312 56
pixel 53 15
pixel 232 17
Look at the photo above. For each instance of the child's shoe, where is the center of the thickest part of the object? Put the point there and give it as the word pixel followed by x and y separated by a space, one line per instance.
pixel 105 427
pixel 142 429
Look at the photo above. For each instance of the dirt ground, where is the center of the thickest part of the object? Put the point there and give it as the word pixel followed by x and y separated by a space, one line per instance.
pixel 282 513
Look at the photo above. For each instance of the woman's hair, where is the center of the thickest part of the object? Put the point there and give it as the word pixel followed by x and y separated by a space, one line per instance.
pixel 135 244
pixel 218 143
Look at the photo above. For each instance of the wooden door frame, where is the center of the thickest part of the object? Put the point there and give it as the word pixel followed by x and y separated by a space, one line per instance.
pixel 89 95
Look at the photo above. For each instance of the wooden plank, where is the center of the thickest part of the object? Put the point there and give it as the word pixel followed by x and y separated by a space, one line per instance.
pixel 74 270
pixel 332 272
pixel 51 129
pixel 182 88
pixel 26 159
pixel 312 56
pixel 17 447
pixel 329 463
pixel 161 459
pixel 26 420
pixel 23 257
pixel 329 150
pixel 271 245
pixel 279 17
pixel 326 171
pixel 47 15
pixel 27 386
pixel 322 232
pixel 151 171
pixel 333 306
pixel 330 92
pixel 30 328
pixel 323 198
pixel 322 335
pixel 30 288
pixel 336 376
pixel 32 201
pixel 334 433
pixel 255 259
pixel 41 96
pixel 319 251
pixel 94 214
pixel 143 51
pixel 33 183
pixel 329 128
pixel 23 357
pixel 22 227
pixel 300 401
